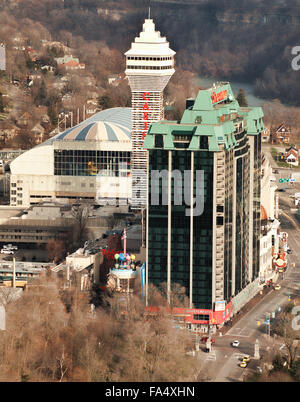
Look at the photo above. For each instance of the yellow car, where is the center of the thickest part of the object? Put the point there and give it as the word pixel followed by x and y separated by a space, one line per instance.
pixel 246 359
pixel 277 287
pixel 243 364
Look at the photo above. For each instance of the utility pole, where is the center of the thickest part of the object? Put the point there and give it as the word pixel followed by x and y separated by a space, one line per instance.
pixel 14 273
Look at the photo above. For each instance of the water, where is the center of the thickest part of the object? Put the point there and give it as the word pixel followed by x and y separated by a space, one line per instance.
pixel 235 85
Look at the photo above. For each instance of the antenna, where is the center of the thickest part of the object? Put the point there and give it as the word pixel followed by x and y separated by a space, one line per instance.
pixel 149 9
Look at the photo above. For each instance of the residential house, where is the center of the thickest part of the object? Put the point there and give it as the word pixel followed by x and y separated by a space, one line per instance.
pixel 57 45
pixel 32 54
pixel 265 135
pixel 50 69
pixel 69 63
pixel 24 120
pixel 114 80
pixel 8 131
pixel 292 156
pixel 38 132
pixel 280 135
pixel 45 122
pixel 92 107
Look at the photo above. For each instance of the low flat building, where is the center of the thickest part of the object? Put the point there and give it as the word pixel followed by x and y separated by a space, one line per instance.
pixel 90 161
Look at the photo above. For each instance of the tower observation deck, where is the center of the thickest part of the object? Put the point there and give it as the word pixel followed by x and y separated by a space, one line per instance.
pixel 149 67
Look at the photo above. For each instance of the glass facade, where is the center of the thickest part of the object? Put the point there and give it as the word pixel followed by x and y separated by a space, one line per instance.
pixel 91 163
pixel 219 240
pixel 228 221
pixel 180 228
pixel 158 224
pixel 242 214
pixel 256 205
pixel 203 234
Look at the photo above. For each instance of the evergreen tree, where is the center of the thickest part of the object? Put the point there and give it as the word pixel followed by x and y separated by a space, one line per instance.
pixel 52 113
pixel 42 93
pixel 1 103
pixel 241 98
pixel 105 102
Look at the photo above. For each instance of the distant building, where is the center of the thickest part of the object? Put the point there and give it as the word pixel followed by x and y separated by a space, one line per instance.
pixel 24 120
pixel 265 135
pixel 35 226
pixel 91 160
pixel 270 225
pixel 69 63
pixel 292 156
pixel 8 131
pixel 280 135
pixel 38 131
pixel 85 264
pixel 32 54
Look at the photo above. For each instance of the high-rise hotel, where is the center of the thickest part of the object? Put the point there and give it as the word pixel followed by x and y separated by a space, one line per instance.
pixel 203 204
pixel 149 66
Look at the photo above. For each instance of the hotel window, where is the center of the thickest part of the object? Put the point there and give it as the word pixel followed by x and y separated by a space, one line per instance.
pixel 203 142
pixel 91 163
pixel 158 141
pixel 201 317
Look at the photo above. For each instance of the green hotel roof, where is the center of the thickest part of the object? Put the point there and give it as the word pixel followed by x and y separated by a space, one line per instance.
pixel 203 119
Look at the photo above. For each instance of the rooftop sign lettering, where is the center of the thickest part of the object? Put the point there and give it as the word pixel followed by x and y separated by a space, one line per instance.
pixel 218 97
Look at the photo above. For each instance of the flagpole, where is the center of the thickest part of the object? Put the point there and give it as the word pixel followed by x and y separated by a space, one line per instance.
pixel 124 238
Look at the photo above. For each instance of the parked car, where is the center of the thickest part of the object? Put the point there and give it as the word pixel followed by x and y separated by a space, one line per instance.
pixel 289 251
pixel 9 247
pixel 277 287
pixel 243 364
pixel 246 359
pixel 111 232
pixel 7 251
pixel 235 344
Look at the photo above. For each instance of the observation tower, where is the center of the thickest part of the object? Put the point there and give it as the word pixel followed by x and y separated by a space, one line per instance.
pixel 149 67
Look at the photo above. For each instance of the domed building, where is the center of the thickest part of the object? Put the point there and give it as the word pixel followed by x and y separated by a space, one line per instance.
pixel 88 161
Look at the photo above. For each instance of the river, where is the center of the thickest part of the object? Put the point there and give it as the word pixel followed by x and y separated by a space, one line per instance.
pixel 235 85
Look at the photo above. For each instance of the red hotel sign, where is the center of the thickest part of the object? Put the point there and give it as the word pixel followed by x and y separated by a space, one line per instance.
pixel 219 96
pixel 146 113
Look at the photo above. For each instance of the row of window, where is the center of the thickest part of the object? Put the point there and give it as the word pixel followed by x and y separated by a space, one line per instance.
pixel 91 163
pixel 150 67
pixel 149 58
